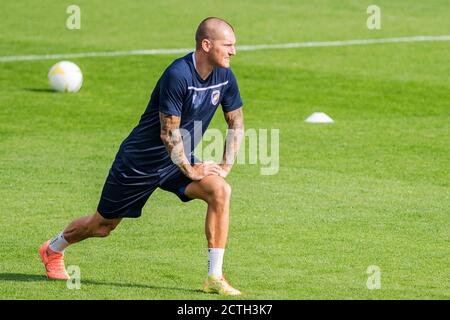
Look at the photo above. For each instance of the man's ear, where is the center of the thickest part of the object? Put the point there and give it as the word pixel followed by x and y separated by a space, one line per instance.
pixel 206 45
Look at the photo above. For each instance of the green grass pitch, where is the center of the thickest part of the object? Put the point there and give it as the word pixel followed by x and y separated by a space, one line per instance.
pixel 370 189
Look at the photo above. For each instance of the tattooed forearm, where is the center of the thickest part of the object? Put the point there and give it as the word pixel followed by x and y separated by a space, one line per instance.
pixel 171 136
pixel 235 120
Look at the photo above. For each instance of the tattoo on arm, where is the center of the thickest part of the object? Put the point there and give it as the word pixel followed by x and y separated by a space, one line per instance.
pixel 171 136
pixel 235 120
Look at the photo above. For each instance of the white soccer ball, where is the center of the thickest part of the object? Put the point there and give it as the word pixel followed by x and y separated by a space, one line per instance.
pixel 65 76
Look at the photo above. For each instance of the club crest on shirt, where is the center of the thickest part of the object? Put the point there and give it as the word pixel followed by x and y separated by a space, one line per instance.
pixel 215 97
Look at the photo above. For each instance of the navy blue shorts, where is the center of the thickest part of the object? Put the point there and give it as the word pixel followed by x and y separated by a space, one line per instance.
pixel 125 194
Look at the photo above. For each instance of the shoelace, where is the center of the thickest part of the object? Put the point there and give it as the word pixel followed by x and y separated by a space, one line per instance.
pixel 56 262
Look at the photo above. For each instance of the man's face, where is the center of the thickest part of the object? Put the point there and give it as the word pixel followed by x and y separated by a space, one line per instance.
pixel 222 49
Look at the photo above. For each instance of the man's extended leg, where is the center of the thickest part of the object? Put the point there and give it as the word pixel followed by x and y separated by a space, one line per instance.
pixel 52 251
pixel 216 192
pixel 89 226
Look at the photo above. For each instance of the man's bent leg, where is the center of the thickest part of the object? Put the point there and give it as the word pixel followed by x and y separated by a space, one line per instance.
pixel 216 192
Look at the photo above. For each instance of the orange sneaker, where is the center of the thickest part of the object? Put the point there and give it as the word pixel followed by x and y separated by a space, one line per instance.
pixel 219 285
pixel 53 262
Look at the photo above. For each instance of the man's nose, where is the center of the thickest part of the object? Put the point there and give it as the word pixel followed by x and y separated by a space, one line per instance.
pixel 232 51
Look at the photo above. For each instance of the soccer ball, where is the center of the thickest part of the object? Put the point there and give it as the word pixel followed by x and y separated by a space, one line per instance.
pixel 65 76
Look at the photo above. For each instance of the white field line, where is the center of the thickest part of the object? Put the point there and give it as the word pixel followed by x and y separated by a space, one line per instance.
pixel 239 48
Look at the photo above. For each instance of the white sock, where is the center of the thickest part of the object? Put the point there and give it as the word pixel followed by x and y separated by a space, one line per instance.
pixel 215 260
pixel 58 243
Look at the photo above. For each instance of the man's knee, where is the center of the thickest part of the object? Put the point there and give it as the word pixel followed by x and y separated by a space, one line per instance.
pixel 103 230
pixel 102 227
pixel 220 191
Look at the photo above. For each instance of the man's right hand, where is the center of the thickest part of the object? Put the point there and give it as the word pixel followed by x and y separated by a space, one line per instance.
pixel 206 168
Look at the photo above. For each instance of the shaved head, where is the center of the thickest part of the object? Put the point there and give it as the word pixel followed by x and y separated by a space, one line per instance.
pixel 211 28
pixel 215 43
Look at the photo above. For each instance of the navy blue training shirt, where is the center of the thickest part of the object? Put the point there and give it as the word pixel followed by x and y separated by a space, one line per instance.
pixel 181 92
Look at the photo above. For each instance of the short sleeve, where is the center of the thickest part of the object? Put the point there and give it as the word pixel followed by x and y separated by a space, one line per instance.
pixel 172 89
pixel 232 98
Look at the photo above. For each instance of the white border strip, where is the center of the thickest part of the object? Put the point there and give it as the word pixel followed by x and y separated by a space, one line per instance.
pixel 210 87
pixel 240 48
